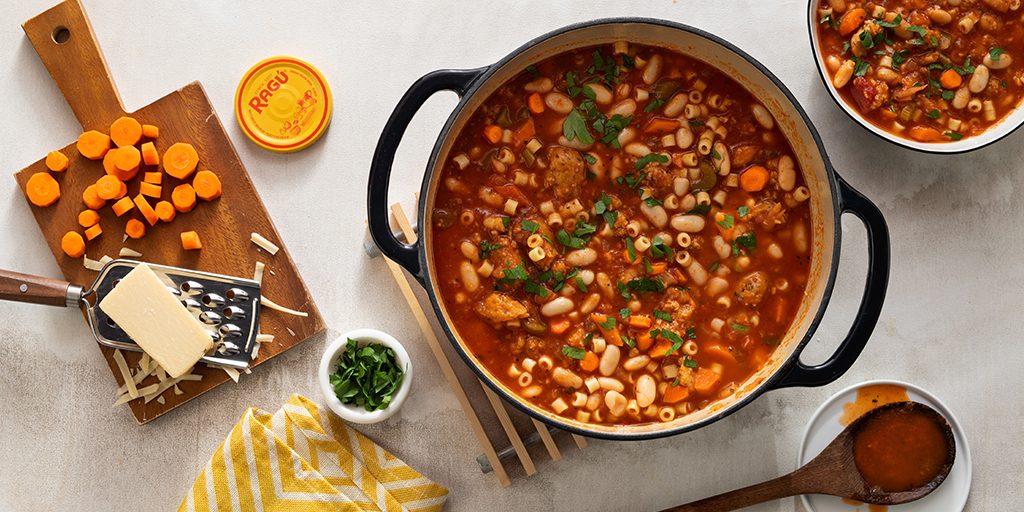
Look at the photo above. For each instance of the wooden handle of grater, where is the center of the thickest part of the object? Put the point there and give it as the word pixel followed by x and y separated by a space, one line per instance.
pixel 37 290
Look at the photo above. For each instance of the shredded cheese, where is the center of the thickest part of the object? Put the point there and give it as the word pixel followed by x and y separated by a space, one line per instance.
pixel 264 244
pixel 233 373
pixel 126 374
pixel 94 265
pixel 290 331
pixel 177 390
pixel 126 252
pixel 125 398
pixel 265 338
pixel 256 350
pixel 160 400
pixel 277 307
pixel 258 274
pixel 105 259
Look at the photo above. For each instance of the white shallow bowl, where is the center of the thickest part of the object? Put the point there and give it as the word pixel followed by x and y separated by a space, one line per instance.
pixel 951 496
pixel 329 364
pixel 1001 129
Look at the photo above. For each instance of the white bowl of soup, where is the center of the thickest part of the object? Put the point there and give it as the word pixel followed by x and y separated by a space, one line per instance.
pixel 629 228
pixel 939 77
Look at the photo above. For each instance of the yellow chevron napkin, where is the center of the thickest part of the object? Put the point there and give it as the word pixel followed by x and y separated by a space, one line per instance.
pixel 302 458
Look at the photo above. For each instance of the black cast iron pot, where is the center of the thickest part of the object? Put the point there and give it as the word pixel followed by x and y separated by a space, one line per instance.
pixel 830 198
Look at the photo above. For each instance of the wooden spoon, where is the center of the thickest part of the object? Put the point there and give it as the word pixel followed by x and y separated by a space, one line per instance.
pixel 833 472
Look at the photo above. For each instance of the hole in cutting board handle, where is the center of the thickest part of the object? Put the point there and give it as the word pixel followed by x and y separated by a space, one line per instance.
pixel 60 35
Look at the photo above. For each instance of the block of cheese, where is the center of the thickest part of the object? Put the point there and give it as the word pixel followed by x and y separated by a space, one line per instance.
pixel 153 317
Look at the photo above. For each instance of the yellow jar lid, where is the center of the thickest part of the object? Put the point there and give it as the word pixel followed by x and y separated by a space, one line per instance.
pixel 283 104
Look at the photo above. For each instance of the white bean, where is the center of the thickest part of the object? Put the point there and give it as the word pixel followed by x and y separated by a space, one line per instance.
pixel 652 70
pixel 962 96
pixel 558 102
pixel 581 257
pixel 1002 62
pixel 610 384
pixel 557 306
pixel 587 276
pixel 637 149
pixel 723 160
pixel 800 237
pixel 470 279
pixel 787 173
pixel 609 360
pixel 470 250
pixel 842 77
pixel 616 402
pixel 541 85
pixel 681 186
pixel 566 378
pixel 627 135
pixel 590 304
pixel 697 273
pixel 636 362
pixel 716 286
pixel 688 223
pixel 684 137
pixel 979 79
pixel 721 247
pixel 602 96
pixel 763 117
pixel 624 108
pixel 656 214
pixel 645 390
pixel 675 105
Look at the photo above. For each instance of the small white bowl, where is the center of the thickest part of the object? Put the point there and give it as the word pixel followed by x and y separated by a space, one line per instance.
pixel 824 426
pixel 329 364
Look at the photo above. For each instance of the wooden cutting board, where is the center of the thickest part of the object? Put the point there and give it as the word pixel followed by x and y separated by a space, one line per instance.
pixel 224 225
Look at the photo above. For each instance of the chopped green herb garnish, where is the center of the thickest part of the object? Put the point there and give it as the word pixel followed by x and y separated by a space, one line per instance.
pixel 954 135
pixel 506 221
pixel 648 158
pixel 642 284
pixel 714 266
pixel 630 249
pixel 727 221
pixel 743 211
pixel 575 128
pixel 996 53
pixel 654 104
pixel 573 352
pixel 861 67
pixel 591 159
pixel 624 313
pixel 367 376
pixel 486 247
pixel 934 113
pixel 739 327
pixel 530 226
pixel 608 324
pixel 652 202
pixel 581 285
pixel 689 363
pixel 535 288
pixel 691 333
pixel 624 290
pixel 747 240
pixel 661 315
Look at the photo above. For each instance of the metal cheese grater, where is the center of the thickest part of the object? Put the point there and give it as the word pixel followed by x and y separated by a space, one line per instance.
pixel 228 306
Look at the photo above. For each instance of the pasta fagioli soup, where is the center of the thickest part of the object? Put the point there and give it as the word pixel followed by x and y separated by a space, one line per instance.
pixel 621 234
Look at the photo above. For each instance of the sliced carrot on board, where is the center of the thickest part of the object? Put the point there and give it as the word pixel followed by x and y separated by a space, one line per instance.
pixel 492 133
pixel 127 158
pixel 536 103
pixel 180 160
pixel 93 144
pixel 165 211
pixel 93 231
pixel 125 131
pixel 705 381
pixel 155 178
pixel 110 166
pixel 589 362
pixel 184 198
pixel 123 192
pixel 207 185
pixel 146 210
pixel 88 218
pixel 150 131
pixel 135 229
pixel 73 244
pixel 149 154
pixel 92 199
pixel 754 178
pixel 190 241
pixel 42 189
pixel 108 187
pixel 675 394
pixel 56 161
pixel 149 190
pixel 123 206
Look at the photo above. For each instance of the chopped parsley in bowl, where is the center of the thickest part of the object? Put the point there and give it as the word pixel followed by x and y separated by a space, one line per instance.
pixel 365 376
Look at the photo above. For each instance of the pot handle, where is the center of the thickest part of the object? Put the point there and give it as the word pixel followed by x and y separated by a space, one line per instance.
pixel 852 201
pixel 406 255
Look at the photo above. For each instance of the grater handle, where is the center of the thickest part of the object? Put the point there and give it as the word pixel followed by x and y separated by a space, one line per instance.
pixel 38 290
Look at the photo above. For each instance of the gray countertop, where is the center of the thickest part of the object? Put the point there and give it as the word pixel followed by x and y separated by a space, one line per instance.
pixel 948 324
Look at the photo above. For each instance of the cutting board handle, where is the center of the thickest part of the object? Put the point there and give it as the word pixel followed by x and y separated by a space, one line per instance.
pixel 63 38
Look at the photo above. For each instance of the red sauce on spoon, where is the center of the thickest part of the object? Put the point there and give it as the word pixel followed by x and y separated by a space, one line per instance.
pixel 898 450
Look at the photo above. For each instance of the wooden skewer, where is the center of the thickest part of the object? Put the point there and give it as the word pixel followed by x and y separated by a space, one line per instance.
pixel 510 430
pixel 442 360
